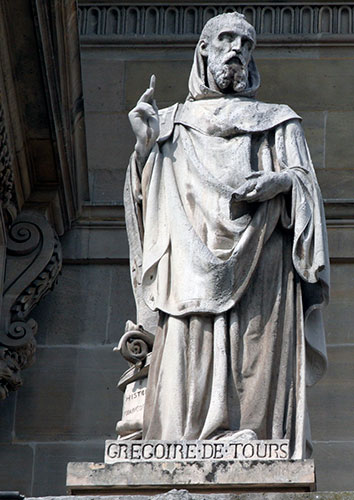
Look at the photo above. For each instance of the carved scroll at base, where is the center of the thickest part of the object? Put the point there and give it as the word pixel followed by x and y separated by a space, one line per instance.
pixel 13 360
pixel 135 346
pixel 33 262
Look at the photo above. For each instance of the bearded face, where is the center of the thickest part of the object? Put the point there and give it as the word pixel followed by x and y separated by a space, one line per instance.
pixel 230 74
pixel 228 52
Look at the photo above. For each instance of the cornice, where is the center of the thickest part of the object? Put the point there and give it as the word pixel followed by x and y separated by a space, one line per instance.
pixel 180 23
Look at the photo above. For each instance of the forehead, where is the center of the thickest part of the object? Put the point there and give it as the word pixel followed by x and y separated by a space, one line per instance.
pixel 233 25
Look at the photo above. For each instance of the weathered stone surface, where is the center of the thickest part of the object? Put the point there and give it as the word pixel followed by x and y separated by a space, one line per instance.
pixel 102 94
pixel 186 495
pixel 7 415
pixel 208 167
pixel 107 154
pixel 16 468
pixel 122 303
pixel 99 127
pixel 43 48
pixel 104 181
pixel 108 163
pixel 280 82
pixel 331 402
pixel 42 151
pixel 274 25
pixel 334 465
pixel 51 460
pixel 70 394
pixel 339 316
pixel 171 80
pixel 83 292
pixel 334 460
pixel 339 138
pixel 314 127
pixel 341 242
pixel 102 242
pixel 211 475
pixel 133 410
pixel 33 263
pixel 336 183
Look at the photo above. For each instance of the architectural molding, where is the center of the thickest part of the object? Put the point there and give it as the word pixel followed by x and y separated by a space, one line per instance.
pixel 8 197
pixel 33 262
pixel 104 215
pixel 43 168
pixel 15 172
pixel 181 22
pixel 42 104
pixel 57 33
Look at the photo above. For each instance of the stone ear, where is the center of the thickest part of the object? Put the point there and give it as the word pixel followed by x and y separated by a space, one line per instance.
pixel 203 48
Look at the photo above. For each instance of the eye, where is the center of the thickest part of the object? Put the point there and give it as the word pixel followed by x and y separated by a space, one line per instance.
pixel 225 36
pixel 247 43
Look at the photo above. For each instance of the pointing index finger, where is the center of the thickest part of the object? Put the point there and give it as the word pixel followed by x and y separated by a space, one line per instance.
pixel 152 82
pixel 148 95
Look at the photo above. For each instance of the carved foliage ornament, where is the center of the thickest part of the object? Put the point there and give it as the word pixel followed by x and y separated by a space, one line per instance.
pixel 33 262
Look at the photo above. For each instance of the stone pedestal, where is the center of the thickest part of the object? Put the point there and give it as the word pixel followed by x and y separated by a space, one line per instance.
pixel 221 476
pixel 185 495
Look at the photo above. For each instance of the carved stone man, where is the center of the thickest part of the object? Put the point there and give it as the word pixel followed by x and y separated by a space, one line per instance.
pixel 228 247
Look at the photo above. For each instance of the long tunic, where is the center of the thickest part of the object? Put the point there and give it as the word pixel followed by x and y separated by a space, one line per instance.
pixel 236 285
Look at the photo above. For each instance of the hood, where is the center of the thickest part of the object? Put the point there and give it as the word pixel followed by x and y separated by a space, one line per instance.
pixel 198 81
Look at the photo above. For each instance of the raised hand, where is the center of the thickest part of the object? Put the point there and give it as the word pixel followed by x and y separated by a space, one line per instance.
pixel 262 186
pixel 144 119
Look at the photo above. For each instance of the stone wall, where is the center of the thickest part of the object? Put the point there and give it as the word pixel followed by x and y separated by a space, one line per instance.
pixel 69 403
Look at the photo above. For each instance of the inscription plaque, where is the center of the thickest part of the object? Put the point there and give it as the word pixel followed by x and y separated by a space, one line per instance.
pixel 128 451
pixel 133 409
pixel 134 399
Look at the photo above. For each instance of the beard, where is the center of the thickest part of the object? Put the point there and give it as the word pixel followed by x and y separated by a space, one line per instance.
pixel 230 75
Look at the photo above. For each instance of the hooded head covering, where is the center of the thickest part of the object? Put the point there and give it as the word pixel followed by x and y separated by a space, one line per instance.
pixel 198 81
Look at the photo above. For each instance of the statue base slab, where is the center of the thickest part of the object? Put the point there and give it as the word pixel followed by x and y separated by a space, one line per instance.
pixel 227 476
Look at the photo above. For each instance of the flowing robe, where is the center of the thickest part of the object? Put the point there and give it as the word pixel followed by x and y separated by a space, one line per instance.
pixel 237 286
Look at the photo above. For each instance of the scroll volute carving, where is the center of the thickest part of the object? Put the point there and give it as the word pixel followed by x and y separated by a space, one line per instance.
pixel 135 344
pixel 33 262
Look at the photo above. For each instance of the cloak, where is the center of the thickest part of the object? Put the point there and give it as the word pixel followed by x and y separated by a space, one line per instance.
pixel 196 253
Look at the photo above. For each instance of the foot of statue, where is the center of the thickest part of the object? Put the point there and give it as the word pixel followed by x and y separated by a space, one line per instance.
pixel 242 435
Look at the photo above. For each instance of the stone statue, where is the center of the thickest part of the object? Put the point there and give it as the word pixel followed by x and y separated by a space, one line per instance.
pixel 228 251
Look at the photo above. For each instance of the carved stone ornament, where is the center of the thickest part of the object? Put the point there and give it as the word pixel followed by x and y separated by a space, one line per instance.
pixel 33 262
pixel 135 346
pixel 7 192
pixel 174 23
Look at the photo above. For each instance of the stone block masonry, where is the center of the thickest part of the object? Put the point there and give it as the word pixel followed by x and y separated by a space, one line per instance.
pixel 198 476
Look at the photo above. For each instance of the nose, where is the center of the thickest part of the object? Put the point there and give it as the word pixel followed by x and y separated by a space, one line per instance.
pixel 237 44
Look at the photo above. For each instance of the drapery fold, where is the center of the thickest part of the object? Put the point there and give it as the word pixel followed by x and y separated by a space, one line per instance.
pixel 200 258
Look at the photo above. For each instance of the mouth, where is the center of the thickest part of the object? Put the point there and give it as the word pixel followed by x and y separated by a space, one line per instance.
pixel 233 61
